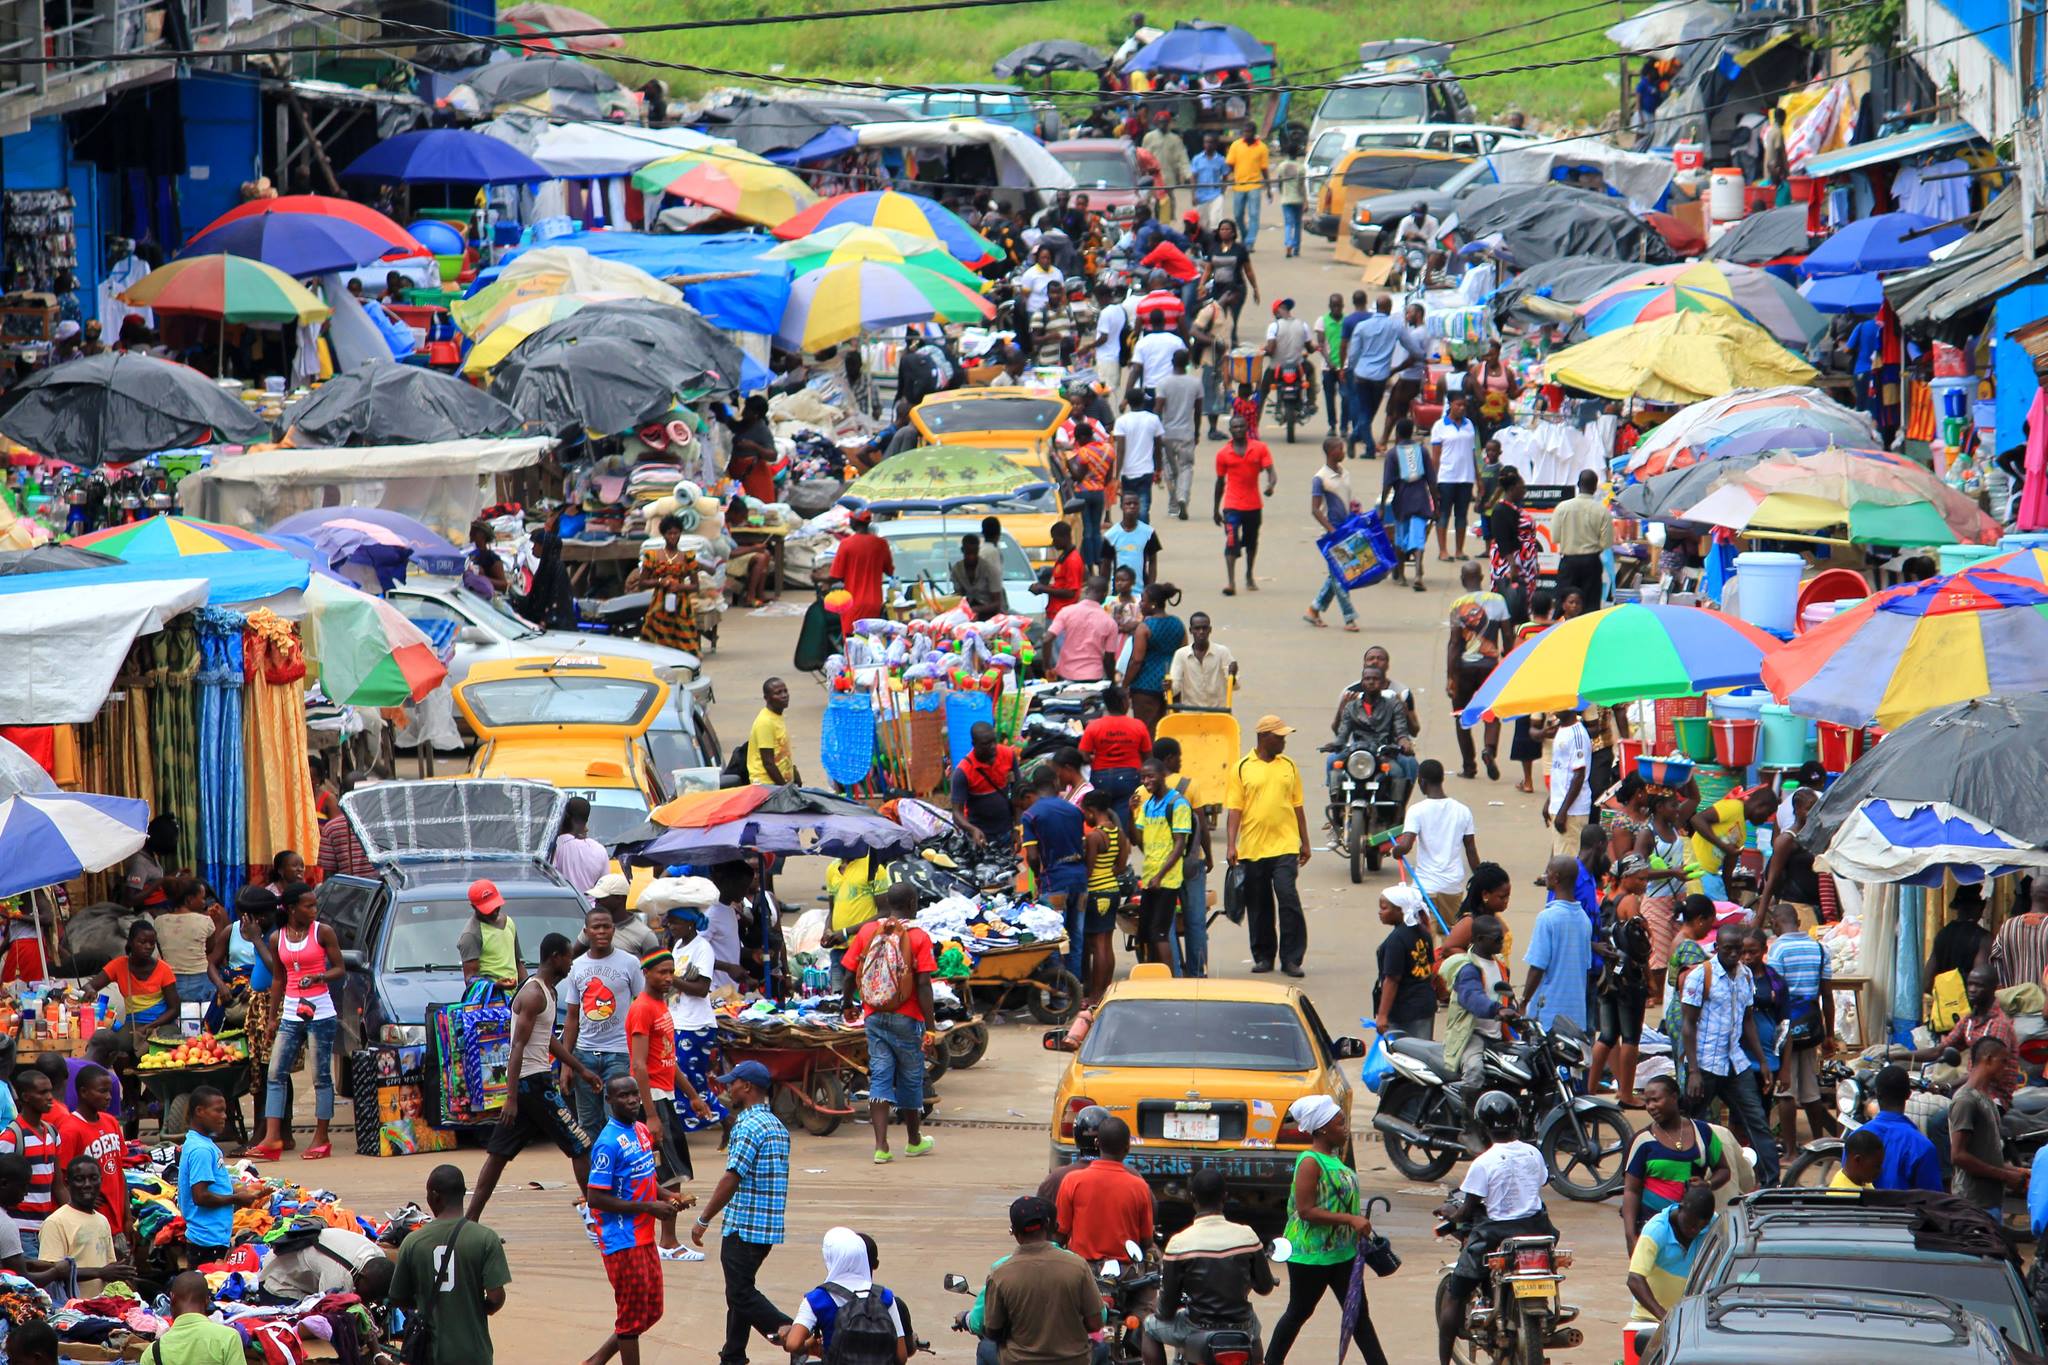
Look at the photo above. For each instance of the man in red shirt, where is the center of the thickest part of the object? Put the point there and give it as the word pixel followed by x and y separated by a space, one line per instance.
pixel 90 1131
pixel 1238 506
pixel 1068 574
pixel 859 565
pixel 1116 745
pixel 1105 1203
pixel 895 990
pixel 981 790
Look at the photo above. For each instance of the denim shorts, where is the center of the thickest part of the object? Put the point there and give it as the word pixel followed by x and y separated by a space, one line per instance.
pixel 896 1060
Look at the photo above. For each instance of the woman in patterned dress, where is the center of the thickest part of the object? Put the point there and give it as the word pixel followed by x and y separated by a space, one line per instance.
pixel 671 574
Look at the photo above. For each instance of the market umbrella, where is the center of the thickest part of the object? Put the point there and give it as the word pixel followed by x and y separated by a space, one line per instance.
pixel 698 356
pixel 298 244
pixel 1777 234
pixel 1762 297
pixel 852 242
pixel 521 321
pixel 722 825
pixel 2031 565
pixel 119 405
pixel 52 559
pixel 164 536
pixel 365 651
pixel 1199 47
pixel 736 183
pixel 1619 654
pixel 1862 293
pixel 1955 791
pixel 19 773
pixel 455 155
pixel 548 272
pixel 1920 645
pixel 51 837
pixel 775 127
pixel 938 477
pixel 1685 436
pixel 401 243
pixel 1610 309
pixel 1665 496
pixel 1678 359
pixel 837 303
pixel 1881 502
pixel 544 17
pixel 601 384
pixel 230 288
pixel 911 213
pixel 384 403
pixel 337 526
pixel 1883 241
pixel 561 87
pixel 1048 55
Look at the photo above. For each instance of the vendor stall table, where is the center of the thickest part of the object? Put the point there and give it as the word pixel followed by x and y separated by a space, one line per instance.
pixel 582 557
pixel 172 1088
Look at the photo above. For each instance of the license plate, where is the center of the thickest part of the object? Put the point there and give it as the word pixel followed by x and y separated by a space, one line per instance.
pixel 1193 1127
pixel 1535 1289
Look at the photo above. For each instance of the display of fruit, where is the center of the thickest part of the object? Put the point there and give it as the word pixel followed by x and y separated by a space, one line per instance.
pixel 201 1051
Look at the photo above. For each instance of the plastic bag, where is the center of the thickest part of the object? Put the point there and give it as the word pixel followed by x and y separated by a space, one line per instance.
pixel 1378 1066
pixel 1358 552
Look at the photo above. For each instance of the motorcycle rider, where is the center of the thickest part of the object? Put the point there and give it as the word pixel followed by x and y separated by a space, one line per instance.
pixel 1503 1192
pixel 1087 1124
pixel 1370 718
pixel 1211 1269
pixel 1289 343
pixel 1415 237
pixel 1105 1204
pixel 1479 1013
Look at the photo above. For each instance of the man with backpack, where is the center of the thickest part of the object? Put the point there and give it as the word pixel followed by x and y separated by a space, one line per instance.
pixel 891 964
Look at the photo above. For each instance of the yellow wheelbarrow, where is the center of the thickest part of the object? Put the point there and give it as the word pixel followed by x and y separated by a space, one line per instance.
pixel 1210 743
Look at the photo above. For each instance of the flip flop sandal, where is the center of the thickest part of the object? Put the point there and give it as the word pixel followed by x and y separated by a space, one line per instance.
pixel 1351 627
pixel 320 1152
pixel 1315 621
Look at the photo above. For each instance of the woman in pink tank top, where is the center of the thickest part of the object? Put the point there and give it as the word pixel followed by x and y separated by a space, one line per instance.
pixel 302 1000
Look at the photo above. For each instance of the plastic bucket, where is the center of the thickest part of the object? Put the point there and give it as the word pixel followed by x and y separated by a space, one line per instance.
pixel 1695 737
pixel 1725 200
pixel 1744 705
pixel 2023 540
pixel 1715 783
pixel 1784 737
pixel 1665 771
pixel 1627 751
pixel 1735 742
pixel 1840 745
pixel 1770 588
pixel 1688 156
pixel 1956 558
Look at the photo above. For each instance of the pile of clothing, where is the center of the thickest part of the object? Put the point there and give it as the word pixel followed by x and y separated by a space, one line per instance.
pixel 990 921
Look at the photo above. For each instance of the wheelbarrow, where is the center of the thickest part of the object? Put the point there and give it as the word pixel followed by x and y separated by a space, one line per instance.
pixel 1210 743
pixel 810 1079
pixel 1030 973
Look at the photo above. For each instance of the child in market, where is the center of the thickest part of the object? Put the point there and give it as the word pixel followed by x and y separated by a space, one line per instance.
pixel 1246 405
pixel 1107 852
pixel 207 1194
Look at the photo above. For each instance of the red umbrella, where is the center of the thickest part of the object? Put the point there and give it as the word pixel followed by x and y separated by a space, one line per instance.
pixel 403 243
pixel 1684 240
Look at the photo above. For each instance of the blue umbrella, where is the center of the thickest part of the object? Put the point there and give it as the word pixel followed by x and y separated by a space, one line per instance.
pixel 50 837
pixel 1845 293
pixel 1797 437
pixel 450 154
pixel 296 243
pixel 1200 47
pixel 1887 241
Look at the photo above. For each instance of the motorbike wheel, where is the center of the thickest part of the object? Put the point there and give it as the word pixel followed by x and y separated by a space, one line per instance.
pixel 1529 1340
pixel 1293 415
pixel 1419 1107
pixel 966 1046
pixel 1814 1167
pixel 1375 854
pixel 1355 845
pixel 1056 997
pixel 1592 1172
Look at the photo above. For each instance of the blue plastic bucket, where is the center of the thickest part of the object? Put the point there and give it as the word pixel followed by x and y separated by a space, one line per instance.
pixel 1769 588
pixel 1956 558
pixel 1784 737
pixel 965 710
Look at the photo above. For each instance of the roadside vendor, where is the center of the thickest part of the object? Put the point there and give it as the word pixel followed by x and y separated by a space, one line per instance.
pixel 981 790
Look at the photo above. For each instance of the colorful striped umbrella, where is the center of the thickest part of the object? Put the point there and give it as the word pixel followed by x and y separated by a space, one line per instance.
pixel 50 837
pixel 1912 648
pixel 298 244
pixel 1687 436
pixel 1880 502
pixel 1765 299
pixel 2031 565
pixel 367 654
pixel 167 537
pixel 852 242
pixel 1626 653
pixel 840 302
pixel 735 182
pixel 1630 306
pixel 546 19
pixel 231 288
pixel 910 213
pixel 403 243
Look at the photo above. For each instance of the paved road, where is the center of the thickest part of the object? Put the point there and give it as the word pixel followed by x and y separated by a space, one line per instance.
pixel 946 1212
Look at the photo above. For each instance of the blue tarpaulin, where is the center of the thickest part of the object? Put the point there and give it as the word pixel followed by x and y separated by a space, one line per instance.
pixel 2012 365
pixel 247 576
pixel 751 303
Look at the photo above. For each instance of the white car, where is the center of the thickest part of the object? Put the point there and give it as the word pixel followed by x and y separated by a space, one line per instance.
pixel 925 548
pixel 1467 139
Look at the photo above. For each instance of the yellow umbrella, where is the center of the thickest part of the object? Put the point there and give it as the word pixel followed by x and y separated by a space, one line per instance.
pixel 552 271
pixel 735 182
pixel 521 321
pixel 1679 358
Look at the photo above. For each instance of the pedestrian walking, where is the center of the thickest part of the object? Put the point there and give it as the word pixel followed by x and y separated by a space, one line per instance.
pixel 1451 442
pixel 1405 996
pixel 449 1279
pixel 1237 503
pixel 1323 1226
pixel 1720 1034
pixel 1332 503
pixel 1055 845
pixel 534 1109
pixel 1166 828
pixel 1139 435
pixel 891 963
pixel 753 1194
pixel 1207 349
pixel 1267 831
pixel 1440 838
pixel 1132 543
pixel 1178 399
pixel 1583 530
pixel 302 996
pixel 849 1317
pixel 1108 852
pixel 1249 158
pixel 1202 671
pixel 1568 803
pixel 651 1051
pixel 1559 958
pixel 208 1195
pixel 1369 354
pixel 627 1204
pixel 1408 499
pixel 1189 948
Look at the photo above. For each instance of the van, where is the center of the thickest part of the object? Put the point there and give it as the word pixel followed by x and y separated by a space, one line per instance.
pixel 1420 94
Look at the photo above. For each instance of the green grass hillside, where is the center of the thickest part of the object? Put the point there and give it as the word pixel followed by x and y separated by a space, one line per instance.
pixel 960 45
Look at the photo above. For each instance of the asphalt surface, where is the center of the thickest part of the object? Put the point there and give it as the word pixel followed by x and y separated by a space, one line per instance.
pixel 946 1212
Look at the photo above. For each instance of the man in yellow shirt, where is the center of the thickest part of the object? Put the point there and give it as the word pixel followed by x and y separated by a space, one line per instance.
pixel 1862 1161
pixel 1248 158
pixel 1267 831
pixel 1718 835
pixel 768 754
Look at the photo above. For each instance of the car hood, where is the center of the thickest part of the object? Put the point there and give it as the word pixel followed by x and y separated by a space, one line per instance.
pixel 408 995
pixel 559 642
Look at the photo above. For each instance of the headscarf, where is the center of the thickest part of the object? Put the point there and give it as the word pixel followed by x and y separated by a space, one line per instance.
pixel 1408 901
pixel 1311 1112
pixel 846 1260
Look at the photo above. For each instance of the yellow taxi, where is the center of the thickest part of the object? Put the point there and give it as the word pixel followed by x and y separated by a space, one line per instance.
pixel 1019 424
pixel 1370 171
pixel 1203 1071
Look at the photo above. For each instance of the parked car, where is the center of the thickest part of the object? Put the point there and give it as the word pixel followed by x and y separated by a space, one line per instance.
pixel 1463 139
pixel 996 103
pixel 925 547
pixel 1371 172
pixel 1420 93
pixel 1115 176
pixel 1376 215
pixel 1741 1324
pixel 1019 423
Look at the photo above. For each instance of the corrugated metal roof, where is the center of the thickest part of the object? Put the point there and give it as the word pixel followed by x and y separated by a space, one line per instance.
pixel 1975 272
pixel 1912 142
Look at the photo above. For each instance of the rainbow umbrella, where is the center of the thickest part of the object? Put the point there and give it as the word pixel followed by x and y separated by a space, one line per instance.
pixel 1920 645
pixel 1881 502
pixel 1766 300
pixel 852 242
pixel 1688 435
pixel 840 302
pixel 231 288
pixel 366 652
pixel 1619 654
pixel 1631 306
pixel 2031 565
pixel 167 537
pixel 735 182
pixel 910 213
pixel 403 243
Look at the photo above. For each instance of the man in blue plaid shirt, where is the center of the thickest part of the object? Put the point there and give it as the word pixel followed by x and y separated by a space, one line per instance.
pixel 1809 1005
pixel 753 1193
pixel 1716 1002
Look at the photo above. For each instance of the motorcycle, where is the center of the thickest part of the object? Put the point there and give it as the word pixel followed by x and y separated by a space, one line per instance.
pixel 1294 401
pixel 1413 258
pixel 2024 1127
pixel 1369 803
pixel 1517 1313
pixel 1122 1297
pixel 1425 1115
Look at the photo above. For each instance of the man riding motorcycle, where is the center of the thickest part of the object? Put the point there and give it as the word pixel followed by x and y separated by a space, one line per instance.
pixel 1290 342
pixel 1087 1124
pixel 1479 1014
pixel 1211 1269
pixel 1418 232
pixel 1503 1198
pixel 1370 718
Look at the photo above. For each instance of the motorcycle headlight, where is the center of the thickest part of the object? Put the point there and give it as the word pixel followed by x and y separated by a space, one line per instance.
pixel 1845 1099
pixel 1569 1052
pixel 1361 764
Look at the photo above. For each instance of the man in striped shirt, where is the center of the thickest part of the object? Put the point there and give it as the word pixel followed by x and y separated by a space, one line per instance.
pixel 33 1138
pixel 1804 964
pixel 2020 952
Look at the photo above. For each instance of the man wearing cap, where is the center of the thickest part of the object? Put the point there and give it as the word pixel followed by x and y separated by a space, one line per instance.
pixel 859 565
pixel 1040 1304
pixel 489 944
pixel 630 934
pixel 1267 831
pixel 1171 152
pixel 753 1194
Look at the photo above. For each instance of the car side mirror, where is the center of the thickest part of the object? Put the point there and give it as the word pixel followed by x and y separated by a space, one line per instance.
pixel 472 635
pixel 955 1284
pixel 353 960
pixel 1344 1049
pixel 1053 1040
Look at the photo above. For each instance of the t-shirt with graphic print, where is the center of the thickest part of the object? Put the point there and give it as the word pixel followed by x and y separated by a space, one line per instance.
pixel 603 989
pixel 622 1165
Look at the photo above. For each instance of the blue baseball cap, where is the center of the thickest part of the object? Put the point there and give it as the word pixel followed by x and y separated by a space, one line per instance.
pixel 753 1073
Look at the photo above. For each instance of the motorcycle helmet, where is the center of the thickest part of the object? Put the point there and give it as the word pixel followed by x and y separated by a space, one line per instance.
pixel 1086 1124
pixel 1497 1113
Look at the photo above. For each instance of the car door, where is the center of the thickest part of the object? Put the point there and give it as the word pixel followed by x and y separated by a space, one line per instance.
pixel 349 906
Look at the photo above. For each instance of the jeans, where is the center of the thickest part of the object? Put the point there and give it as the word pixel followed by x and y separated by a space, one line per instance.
pixel 1365 405
pixel 284 1054
pixel 1306 1285
pixel 1336 396
pixel 1244 206
pixel 1121 784
pixel 1215 403
pixel 895 1061
pixel 1141 489
pixel 1091 502
pixel 1188 951
pixel 1290 226
pixel 590 1106
pixel 1269 886
pixel 1071 881
pixel 747 1309
pixel 1331 591
pixel 1745 1101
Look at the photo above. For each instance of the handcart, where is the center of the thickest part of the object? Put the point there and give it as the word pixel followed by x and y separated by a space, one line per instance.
pixel 1032 974
pixel 172 1087
pixel 816 1072
pixel 1210 743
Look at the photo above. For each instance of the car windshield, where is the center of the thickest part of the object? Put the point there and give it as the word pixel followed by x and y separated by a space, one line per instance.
pixel 555 699
pixel 934 553
pixel 423 933
pixel 1983 1288
pixel 615 812
pixel 989 414
pixel 1403 173
pixel 1388 102
pixel 1234 1035
pixel 1101 170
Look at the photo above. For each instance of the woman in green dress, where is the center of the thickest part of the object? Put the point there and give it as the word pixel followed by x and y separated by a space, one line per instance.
pixel 1324 1225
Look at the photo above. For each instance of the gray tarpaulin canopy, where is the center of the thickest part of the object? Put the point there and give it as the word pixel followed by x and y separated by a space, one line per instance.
pixel 602 383
pixel 385 403
pixel 120 405
pixel 1548 291
pixel 1543 222
pixel 1765 236
pixel 444 484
